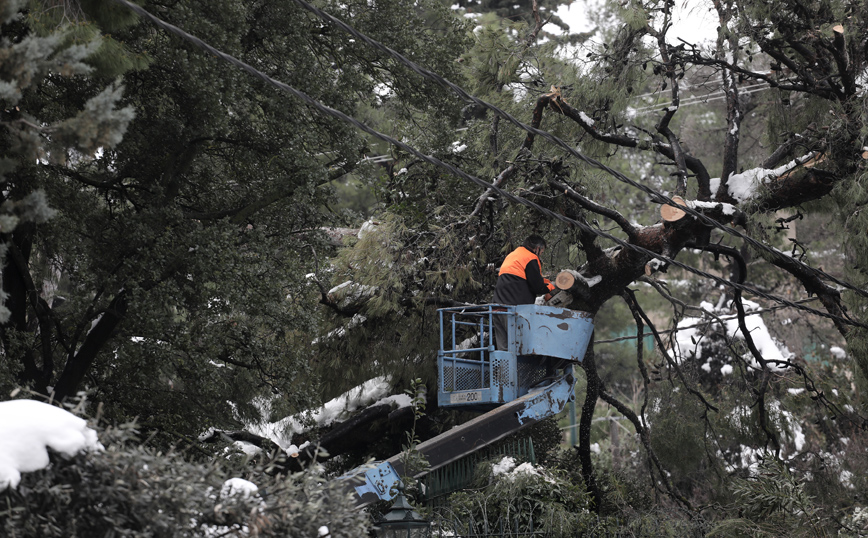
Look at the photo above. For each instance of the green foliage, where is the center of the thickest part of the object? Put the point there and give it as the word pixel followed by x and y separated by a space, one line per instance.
pixel 24 64
pixel 197 229
pixel 629 502
pixel 521 10
pixel 494 61
pixel 100 125
pixel 27 62
pixel 775 491
pixel 678 438
pixel 546 502
pixel 773 503
pixel 182 270
pixel 546 437
pixel 375 265
pixel 414 462
pixel 133 490
pixel 90 23
pixel 850 198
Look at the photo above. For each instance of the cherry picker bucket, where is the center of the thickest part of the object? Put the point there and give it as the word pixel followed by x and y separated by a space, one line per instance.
pixel 540 341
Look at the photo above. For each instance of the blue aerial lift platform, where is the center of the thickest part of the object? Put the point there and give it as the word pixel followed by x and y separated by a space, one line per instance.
pixel 532 379
pixel 541 340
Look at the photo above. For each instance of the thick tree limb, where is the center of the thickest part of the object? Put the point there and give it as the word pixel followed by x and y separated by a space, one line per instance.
pixel 663 126
pixel 842 60
pixel 783 151
pixel 113 183
pixel 829 296
pixel 531 38
pixel 79 362
pixel 243 436
pixel 728 44
pixel 587 417
pixel 692 164
pixel 793 189
pixel 21 292
pixel 45 320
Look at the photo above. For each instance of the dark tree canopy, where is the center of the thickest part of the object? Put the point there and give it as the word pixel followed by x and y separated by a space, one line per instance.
pixel 173 274
pixel 195 247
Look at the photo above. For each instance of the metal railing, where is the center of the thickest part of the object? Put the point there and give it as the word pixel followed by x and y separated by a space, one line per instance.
pixel 478 322
pixel 459 474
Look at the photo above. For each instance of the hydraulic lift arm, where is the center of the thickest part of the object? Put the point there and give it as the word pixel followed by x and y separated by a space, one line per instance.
pixel 375 482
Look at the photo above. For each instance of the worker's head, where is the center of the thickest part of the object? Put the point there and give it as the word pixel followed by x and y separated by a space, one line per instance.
pixel 535 244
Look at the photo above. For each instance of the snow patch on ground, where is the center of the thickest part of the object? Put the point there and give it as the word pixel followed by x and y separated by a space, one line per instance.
pixel 238 487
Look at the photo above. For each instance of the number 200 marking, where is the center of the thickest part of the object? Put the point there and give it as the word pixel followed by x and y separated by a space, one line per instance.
pixel 462 397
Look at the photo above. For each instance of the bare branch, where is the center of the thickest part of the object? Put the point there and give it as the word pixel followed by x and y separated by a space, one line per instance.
pixel 671 362
pixel 766 373
pixel 593 207
pixel 727 45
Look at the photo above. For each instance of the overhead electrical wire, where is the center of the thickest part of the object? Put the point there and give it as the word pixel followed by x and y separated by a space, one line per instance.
pixel 714 92
pixel 702 324
pixel 690 101
pixel 460 173
pixel 704 96
pixel 698 100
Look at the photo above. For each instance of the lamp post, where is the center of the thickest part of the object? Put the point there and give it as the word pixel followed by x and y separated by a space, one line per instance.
pixel 402 521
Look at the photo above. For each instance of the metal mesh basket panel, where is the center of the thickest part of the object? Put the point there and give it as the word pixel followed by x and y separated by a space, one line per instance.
pixel 530 373
pixel 501 372
pixel 465 377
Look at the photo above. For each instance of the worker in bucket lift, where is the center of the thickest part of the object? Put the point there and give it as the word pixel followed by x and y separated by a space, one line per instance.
pixel 520 281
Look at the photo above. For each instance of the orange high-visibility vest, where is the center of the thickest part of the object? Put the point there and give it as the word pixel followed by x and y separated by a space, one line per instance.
pixel 517 260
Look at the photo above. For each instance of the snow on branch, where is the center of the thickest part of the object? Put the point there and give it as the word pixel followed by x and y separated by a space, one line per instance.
pixel 373 392
pixel 744 185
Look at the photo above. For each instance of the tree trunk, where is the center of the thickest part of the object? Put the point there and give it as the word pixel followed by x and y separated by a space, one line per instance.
pixel 79 362
pixel 585 422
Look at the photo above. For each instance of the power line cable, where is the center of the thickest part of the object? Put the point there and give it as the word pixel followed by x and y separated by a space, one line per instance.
pixel 698 100
pixel 460 173
pixel 700 97
pixel 557 141
pixel 701 324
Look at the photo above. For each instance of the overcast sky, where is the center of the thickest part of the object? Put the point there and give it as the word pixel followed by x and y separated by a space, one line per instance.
pixel 694 20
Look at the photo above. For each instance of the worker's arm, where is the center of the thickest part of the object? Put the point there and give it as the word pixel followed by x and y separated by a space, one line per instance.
pixel 535 281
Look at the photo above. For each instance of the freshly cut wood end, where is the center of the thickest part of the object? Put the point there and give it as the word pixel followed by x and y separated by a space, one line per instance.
pixel 565 280
pixel 838 28
pixel 672 213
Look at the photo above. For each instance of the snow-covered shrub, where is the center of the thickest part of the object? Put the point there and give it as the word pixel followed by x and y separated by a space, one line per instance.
pixel 131 490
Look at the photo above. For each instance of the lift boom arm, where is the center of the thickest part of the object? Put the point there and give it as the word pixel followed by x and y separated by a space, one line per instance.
pixel 376 482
